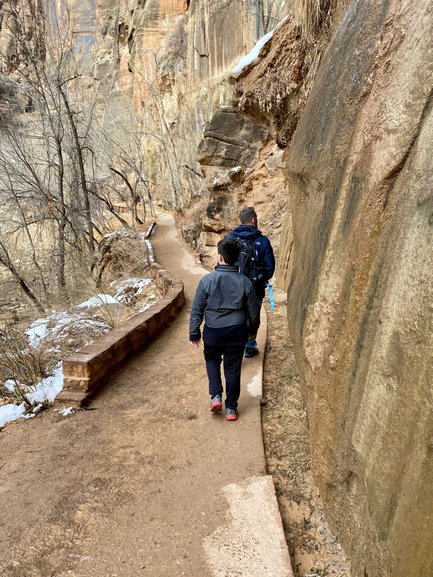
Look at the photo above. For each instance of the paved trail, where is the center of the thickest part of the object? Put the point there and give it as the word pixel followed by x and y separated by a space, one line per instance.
pixel 147 483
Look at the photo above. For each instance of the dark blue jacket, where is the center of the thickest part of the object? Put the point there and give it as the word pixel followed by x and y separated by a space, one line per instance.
pixel 264 252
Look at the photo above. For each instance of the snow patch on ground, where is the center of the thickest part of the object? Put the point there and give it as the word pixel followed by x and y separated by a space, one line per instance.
pixel 11 412
pixel 67 411
pixel 48 389
pixel 44 391
pixel 51 332
pixel 59 334
pixel 98 301
pixel 131 288
pixel 10 385
pixel 59 327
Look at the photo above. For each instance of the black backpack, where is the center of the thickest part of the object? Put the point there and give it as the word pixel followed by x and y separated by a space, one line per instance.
pixel 249 260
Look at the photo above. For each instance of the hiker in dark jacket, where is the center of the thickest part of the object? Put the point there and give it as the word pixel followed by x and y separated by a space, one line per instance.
pixel 228 303
pixel 265 261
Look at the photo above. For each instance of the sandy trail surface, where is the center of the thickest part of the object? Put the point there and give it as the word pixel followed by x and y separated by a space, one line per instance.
pixel 145 482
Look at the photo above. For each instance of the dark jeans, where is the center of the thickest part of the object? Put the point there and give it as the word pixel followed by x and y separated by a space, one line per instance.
pixel 231 355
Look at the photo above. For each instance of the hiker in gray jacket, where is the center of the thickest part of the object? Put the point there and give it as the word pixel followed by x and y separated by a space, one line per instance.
pixel 227 302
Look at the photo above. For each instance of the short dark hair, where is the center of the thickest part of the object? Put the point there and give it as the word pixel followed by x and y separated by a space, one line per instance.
pixel 229 249
pixel 247 214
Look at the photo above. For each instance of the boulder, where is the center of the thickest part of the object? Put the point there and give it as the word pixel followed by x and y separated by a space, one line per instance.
pixel 231 139
pixel 219 212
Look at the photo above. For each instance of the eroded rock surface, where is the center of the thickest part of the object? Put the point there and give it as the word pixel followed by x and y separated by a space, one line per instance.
pixel 130 37
pixel 360 179
pixel 274 88
pixel 231 139
pixel 269 96
pixel 243 167
pixel 219 32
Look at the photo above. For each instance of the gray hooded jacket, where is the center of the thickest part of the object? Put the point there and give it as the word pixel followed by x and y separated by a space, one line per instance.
pixel 224 298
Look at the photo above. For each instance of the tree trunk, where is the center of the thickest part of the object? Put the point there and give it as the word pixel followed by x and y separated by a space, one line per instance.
pixel 82 173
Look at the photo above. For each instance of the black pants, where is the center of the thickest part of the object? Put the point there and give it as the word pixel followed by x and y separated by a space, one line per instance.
pixel 231 355
pixel 254 335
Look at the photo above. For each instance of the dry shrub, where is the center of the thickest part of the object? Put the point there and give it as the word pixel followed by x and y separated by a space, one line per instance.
pixel 64 332
pixel 122 254
pixel 19 362
pixel 27 361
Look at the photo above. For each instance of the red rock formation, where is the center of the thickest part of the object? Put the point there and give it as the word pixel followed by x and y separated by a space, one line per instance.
pixel 360 178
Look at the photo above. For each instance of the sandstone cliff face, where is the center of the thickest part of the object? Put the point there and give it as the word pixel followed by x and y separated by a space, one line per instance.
pixel 275 88
pixel 243 167
pixel 220 32
pixel 168 57
pixel 161 62
pixel 17 19
pixel 130 35
pixel 360 297
pixel 268 99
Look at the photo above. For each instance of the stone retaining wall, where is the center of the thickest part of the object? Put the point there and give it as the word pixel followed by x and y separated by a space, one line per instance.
pixel 87 370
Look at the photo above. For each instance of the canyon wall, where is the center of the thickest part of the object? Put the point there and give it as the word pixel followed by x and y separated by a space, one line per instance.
pixel 130 37
pixel 169 58
pixel 219 33
pixel 360 309
pixel 159 63
pixel 131 44
pixel 138 41
pixel 242 152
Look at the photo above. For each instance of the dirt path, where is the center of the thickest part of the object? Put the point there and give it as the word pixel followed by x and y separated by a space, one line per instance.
pixel 145 482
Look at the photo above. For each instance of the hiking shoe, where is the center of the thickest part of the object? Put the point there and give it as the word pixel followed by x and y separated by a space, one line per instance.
pixel 251 352
pixel 216 404
pixel 231 414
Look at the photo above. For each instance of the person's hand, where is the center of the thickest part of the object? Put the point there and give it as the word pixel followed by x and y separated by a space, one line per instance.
pixel 195 344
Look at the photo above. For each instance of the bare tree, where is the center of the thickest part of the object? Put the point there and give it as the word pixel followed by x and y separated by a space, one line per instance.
pixel 45 164
pixel 172 127
pixel 7 262
pixel 120 147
